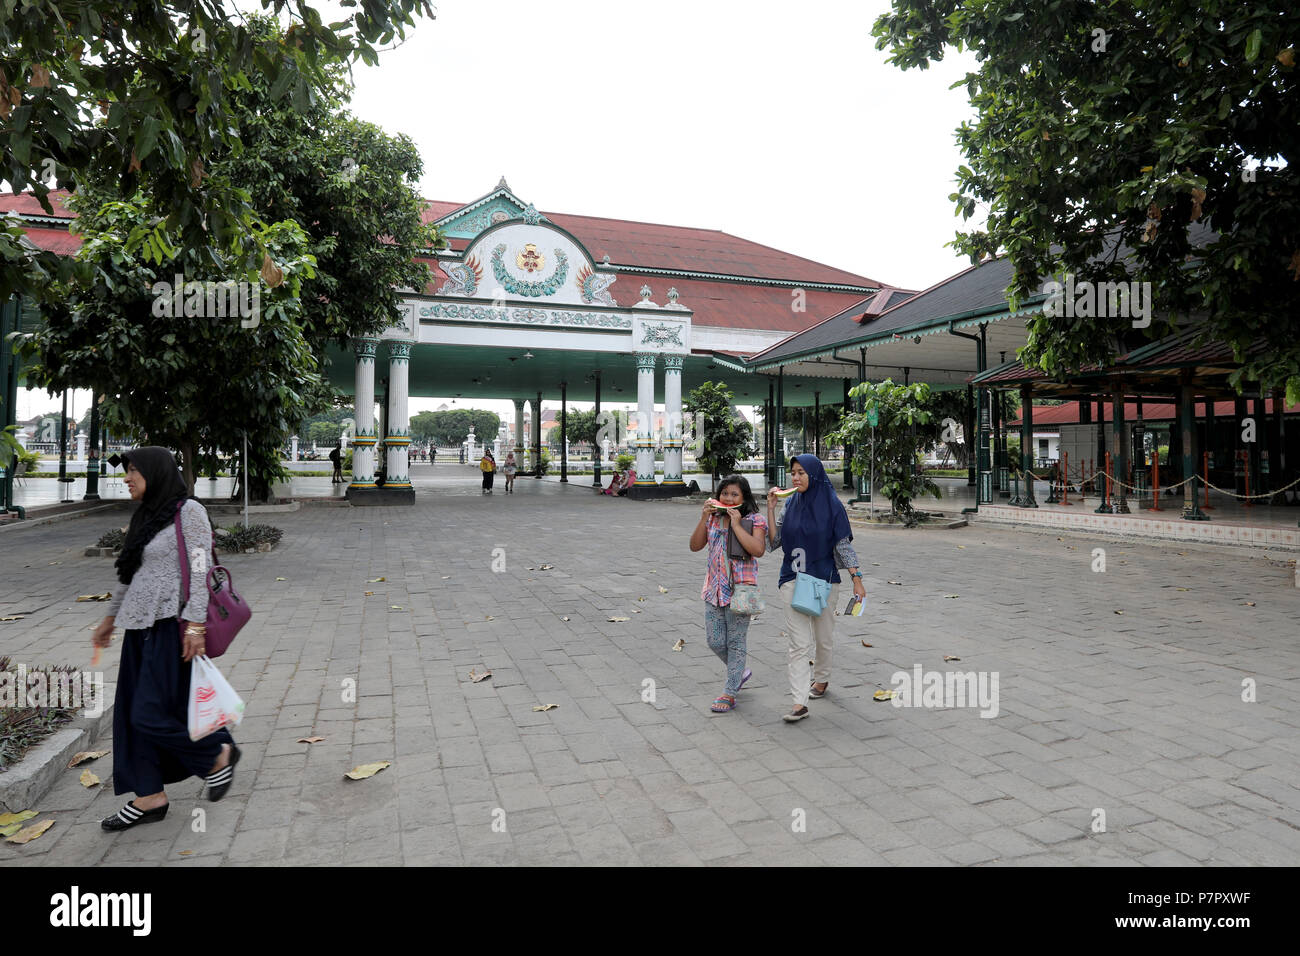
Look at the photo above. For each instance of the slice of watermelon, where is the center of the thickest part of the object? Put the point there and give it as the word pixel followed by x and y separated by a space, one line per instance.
pixel 785 492
pixel 719 505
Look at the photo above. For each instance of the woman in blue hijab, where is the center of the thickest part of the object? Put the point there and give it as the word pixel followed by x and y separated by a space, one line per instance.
pixel 813 532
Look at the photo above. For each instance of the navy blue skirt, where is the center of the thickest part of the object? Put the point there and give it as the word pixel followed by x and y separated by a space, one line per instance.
pixel 151 737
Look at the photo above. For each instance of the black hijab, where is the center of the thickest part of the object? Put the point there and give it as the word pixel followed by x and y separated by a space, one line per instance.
pixel 164 489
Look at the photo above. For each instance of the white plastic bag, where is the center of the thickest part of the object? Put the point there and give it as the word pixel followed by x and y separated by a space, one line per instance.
pixel 213 702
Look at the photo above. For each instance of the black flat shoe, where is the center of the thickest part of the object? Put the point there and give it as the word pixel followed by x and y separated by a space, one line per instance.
pixel 130 815
pixel 219 781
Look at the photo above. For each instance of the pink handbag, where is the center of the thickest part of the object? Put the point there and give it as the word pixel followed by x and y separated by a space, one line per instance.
pixel 227 611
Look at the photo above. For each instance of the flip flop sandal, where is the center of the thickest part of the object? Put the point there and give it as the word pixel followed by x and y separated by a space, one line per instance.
pixel 219 781
pixel 130 815
pixel 744 677
pixel 723 704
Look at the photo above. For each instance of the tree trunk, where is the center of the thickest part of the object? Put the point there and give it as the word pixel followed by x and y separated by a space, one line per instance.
pixel 188 451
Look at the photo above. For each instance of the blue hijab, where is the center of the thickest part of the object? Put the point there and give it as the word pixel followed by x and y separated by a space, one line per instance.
pixel 813 520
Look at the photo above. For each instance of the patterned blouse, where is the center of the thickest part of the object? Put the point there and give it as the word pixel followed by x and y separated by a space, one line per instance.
pixel 717 584
pixel 154 593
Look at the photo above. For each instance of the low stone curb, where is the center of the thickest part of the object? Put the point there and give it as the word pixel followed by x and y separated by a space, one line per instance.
pixel 35 520
pixel 24 785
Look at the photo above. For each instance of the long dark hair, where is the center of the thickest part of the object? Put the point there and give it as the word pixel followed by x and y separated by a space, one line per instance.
pixel 164 490
pixel 748 505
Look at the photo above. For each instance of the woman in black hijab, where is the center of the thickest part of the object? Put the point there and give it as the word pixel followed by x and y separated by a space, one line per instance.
pixel 151 741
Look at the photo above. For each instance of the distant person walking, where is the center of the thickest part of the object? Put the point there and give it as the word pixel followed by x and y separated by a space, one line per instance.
pixel 336 456
pixel 814 534
pixel 510 469
pixel 151 740
pixel 488 465
pixel 433 455
pixel 724 629
pixel 462 454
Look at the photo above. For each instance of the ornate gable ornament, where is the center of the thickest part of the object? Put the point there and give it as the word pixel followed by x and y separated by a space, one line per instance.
pixel 532 217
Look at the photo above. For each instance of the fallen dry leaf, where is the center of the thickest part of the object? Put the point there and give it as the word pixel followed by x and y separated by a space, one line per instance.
pixel 370 594
pixel 884 695
pixel 309 740
pixel 662 589
pixel 619 620
pixel 1250 604
pixel 95 597
pixel 681 642
pixel 899 583
pixel 184 852
pixel 28 834
pixel 952 595
pixel 446 576
pixel 865 644
pixel 476 678
pixel 949 657
pixel 10 618
pixel 546 567
pixel 10 830
pixel 640 599
pixel 635 611
pixel 376 580
pixel 396 607
pixel 88 779
pixel 367 770
pixel 545 707
pixel 1119 612
pixel 8 819
pixel 564 619
pixel 85 755
pixel 490 618
pixel 961 547
pixel 278 579
pixel 1183 589
pixel 654 572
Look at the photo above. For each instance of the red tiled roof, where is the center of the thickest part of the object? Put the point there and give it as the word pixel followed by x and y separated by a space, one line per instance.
pixel 26 204
pixel 1068 413
pixel 59 241
pixel 680 248
pixel 735 305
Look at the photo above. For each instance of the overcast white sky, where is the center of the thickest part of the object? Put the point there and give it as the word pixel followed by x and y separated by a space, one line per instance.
pixel 777 122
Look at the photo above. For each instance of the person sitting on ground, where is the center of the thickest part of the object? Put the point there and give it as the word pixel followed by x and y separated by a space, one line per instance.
pixel 615 484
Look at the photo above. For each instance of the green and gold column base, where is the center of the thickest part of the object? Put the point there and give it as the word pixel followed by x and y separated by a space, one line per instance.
pixel 666 489
pixel 362 497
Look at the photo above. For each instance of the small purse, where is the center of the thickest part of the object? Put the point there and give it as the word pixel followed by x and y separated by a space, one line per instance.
pixel 227 611
pixel 746 599
pixel 810 595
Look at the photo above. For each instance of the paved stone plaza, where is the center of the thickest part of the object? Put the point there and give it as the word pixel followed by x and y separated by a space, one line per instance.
pixel 1138 714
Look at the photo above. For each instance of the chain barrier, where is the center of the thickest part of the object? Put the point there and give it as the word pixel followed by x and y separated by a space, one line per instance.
pixel 1164 489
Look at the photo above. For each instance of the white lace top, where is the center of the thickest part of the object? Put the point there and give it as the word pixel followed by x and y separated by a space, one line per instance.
pixel 154 593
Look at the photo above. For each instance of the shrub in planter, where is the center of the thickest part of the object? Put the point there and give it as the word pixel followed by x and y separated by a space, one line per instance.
pixel 21 726
pixel 237 538
pixel 114 538
pixel 625 461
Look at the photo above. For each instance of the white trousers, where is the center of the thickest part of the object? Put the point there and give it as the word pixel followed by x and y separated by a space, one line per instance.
pixel 805 633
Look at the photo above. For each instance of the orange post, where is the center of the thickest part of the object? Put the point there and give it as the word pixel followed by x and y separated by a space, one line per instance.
pixel 1205 467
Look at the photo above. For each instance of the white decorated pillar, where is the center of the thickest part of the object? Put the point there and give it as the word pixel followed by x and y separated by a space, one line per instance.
pixel 536 463
pixel 293 447
pixel 519 433
pixel 673 419
pixel 645 410
pixel 363 442
pixel 397 437
pixel 81 446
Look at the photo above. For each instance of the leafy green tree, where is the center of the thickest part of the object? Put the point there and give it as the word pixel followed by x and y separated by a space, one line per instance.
pixel 1126 125
pixel 347 190
pixel 901 410
pixel 582 426
pixel 143 93
pixel 423 427
pixel 325 433
pixel 193 381
pixel 727 435
pixel 451 427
